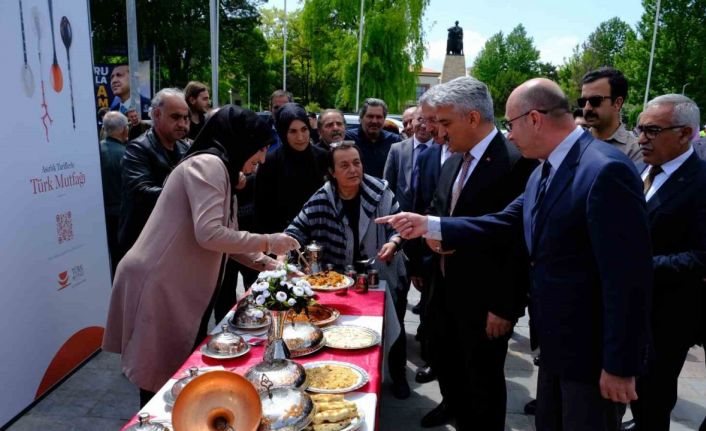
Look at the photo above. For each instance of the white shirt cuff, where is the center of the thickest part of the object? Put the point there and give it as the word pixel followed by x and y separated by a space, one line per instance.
pixel 433 228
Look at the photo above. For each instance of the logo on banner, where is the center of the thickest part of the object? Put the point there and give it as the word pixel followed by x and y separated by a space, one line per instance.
pixel 64 227
pixel 63 280
pixel 76 274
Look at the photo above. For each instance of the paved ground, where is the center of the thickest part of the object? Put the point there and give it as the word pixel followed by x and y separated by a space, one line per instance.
pixel 98 397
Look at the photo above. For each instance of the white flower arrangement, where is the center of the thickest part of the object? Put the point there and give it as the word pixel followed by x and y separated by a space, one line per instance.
pixel 274 290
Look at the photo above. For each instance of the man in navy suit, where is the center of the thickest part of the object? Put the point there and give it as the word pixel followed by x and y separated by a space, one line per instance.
pixel 675 189
pixel 584 222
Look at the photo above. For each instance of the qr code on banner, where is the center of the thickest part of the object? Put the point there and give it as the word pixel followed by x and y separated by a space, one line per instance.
pixel 64 227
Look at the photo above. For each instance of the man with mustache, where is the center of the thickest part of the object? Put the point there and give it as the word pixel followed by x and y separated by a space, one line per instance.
pixel 149 159
pixel 674 182
pixel 373 141
pixel 603 93
pixel 332 128
pixel 120 86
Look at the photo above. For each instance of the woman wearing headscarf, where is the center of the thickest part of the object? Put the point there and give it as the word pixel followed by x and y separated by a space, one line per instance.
pixel 292 173
pixel 163 288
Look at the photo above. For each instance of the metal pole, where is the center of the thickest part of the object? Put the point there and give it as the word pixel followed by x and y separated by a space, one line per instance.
pixel 214 52
pixel 360 53
pixel 230 95
pixel 154 69
pixel 248 91
pixel 652 55
pixel 132 57
pixel 284 56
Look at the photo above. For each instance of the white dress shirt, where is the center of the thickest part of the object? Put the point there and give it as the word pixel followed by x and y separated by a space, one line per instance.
pixel 668 169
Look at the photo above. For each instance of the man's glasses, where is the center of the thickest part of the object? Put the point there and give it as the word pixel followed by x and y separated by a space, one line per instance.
pixel 507 124
pixel 651 132
pixel 593 100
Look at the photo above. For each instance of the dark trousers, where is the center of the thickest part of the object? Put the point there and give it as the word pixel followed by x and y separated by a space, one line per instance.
pixel 657 390
pixel 145 397
pixel 570 405
pixel 469 366
pixel 111 226
pixel 227 296
pixel 397 360
pixel 423 330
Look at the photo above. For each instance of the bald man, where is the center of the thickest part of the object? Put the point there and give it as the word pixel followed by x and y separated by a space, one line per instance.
pixel 583 219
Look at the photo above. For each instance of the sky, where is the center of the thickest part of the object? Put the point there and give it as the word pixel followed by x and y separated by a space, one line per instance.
pixel 556 26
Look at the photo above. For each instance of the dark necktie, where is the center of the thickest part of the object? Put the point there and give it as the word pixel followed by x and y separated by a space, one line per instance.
pixel 541 189
pixel 415 167
pixel 654 171
pixel 467 159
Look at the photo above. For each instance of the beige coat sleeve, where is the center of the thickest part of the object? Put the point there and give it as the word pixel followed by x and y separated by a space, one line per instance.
pixel 207 187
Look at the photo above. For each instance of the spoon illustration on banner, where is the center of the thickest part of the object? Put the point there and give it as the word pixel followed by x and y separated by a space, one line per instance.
pixel 46 118
pixel 66 36
pixel 27 75
pixel 57 79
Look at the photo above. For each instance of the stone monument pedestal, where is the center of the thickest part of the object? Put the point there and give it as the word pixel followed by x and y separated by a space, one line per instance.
pixel 454 67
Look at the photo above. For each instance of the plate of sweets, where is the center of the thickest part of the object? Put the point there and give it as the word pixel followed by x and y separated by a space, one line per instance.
pixel 317 314
pixel 329 281
pixel 335 413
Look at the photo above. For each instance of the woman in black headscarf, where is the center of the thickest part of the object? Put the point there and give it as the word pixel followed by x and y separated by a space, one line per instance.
pixel 292 173
pixel 164 285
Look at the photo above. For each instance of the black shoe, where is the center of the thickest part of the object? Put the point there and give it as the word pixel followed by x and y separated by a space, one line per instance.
pixel 425 375
pixel 400 390
pixel 536 360
pixel 417 308
pixel 439 416
pixel 531 407
pixel 628 426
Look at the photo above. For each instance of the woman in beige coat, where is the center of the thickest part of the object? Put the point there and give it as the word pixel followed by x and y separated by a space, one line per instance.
pixel 163 288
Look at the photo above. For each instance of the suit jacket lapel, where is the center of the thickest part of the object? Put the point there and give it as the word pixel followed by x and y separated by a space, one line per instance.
pixel 562 178
pixel 454 165
pixel 483 174
pixel 530 190
pixel 406 158
pixel 678 180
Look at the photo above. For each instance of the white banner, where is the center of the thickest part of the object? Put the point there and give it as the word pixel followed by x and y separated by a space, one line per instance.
pixel 54 259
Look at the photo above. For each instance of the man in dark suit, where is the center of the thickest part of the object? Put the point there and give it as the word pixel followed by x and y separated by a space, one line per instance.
pixel 402 175
pixel 400 167
pixel 675 189
pixel 590 271
pixel 470 337
pixel 421 258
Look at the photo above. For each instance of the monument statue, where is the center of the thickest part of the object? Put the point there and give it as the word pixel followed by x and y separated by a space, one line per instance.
pixel 454 43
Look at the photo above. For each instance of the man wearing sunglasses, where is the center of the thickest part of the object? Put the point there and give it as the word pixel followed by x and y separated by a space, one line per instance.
pixel 674 184
pixel 590 270
pixel 603 93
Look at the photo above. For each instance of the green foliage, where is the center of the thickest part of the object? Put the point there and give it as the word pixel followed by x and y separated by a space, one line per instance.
pixel 507 61
pixel 678 59
pixel 179 32
pixel 604 47
pixel 392 48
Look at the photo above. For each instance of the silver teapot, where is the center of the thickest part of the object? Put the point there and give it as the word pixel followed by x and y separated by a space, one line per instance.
pixel 313 257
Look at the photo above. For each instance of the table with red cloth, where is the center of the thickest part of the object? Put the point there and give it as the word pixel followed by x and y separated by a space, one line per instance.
pixel 369 310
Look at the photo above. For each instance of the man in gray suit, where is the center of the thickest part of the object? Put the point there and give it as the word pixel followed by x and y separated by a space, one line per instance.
pixel 400 167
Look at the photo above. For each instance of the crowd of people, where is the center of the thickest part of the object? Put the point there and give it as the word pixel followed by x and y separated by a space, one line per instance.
pixel 599 232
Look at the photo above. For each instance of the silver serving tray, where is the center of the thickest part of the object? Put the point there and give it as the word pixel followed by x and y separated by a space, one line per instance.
pixel 207 352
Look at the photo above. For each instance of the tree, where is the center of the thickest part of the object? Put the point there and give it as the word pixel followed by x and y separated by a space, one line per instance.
pixel 678 59
pixel 180 34
pixel 507 61
pixel 604 47
pixel 393 47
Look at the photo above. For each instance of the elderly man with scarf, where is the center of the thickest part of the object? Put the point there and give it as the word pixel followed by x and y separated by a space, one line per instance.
pixel 340 216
